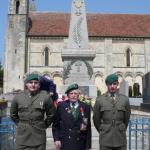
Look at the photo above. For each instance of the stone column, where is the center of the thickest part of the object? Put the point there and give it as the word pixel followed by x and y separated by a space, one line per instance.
pixel 108 56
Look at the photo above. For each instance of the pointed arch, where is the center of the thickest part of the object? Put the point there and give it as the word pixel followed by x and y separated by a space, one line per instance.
pixel 129 78
pixel 99 82
pixel 58 80
pixel 138 79
pixel 47 74
pixel 17 6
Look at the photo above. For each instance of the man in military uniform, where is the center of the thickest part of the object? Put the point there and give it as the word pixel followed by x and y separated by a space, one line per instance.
pixel 111 116
pixel 72 126
pixel 32 110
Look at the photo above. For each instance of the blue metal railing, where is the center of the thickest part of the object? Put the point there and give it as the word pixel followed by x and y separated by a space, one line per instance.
pixel 139 134
pixel 7 134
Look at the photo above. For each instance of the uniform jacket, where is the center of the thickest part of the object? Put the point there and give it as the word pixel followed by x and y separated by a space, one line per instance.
pixel 111 119
pixel 67 130
pixel 28 113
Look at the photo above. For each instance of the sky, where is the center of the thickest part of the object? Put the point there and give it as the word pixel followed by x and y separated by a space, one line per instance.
pixel 92 6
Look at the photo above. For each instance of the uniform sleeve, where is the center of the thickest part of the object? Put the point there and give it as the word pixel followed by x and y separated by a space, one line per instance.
pixel 96 114
pixel 128 113
pixel 50 111
pixel 89 136
pixel 14 110
pixel 56 124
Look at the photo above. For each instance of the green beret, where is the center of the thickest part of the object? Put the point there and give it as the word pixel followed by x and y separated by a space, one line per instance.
pixel 111 79
pixel 71 87
pixel 31 76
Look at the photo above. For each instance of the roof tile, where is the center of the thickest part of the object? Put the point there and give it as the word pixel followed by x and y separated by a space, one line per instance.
pixel 101 25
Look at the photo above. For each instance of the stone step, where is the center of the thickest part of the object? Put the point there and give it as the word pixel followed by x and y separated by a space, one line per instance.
pixel 50 144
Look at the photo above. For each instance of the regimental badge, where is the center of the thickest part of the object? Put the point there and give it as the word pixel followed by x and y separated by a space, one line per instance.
pixel 84 124
pixel 78 3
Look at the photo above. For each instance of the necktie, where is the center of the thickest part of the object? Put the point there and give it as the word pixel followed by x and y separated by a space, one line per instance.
pixel 74 111
pixel 113 98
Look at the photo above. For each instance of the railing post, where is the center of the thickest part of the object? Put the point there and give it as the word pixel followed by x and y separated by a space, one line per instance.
pixel 142 135
pixel 130 125
pixel 136 145
pixel 0 133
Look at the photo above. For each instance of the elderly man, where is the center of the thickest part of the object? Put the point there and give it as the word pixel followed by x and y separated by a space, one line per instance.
pixel 28 111
pixel 111 116
pixel 72 125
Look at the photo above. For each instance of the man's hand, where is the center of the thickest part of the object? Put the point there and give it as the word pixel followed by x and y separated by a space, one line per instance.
pixel 57 145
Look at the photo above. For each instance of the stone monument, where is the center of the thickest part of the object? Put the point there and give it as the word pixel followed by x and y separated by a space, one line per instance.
pixel 146 92
pixel 77 56
pixel 124 88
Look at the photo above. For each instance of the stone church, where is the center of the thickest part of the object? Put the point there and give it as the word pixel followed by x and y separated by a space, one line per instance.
pixel 75 47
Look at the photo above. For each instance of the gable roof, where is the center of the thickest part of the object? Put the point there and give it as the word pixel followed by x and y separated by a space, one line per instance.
pixel 99 25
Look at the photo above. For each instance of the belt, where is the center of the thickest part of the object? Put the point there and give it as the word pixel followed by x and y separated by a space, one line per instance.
pixel 32 123
pixel 29 121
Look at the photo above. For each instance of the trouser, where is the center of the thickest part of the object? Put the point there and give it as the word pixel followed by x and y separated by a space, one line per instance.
pixel 124 147
pixel 24 147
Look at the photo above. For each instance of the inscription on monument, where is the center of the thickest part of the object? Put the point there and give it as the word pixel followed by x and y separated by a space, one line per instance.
pixel 84 90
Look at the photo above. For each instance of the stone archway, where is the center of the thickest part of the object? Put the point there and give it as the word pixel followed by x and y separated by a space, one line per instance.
pixel 57 78
pixel 99 82
pixel 138 79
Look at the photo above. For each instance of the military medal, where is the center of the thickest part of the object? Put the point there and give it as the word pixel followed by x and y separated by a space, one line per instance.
pixel 82 111
pixel 84 121
pixel 68 110
pixel 41 104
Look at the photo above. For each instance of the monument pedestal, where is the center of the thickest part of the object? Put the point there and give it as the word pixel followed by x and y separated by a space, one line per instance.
pixel 145 107
pixel 146 94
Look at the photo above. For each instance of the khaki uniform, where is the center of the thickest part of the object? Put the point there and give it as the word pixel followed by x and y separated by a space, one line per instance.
pixel 28 112
pixel 111 117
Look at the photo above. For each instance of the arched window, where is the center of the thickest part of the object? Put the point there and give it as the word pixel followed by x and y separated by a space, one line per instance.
pixel 128 57
pixel 17 7
pixel 46 54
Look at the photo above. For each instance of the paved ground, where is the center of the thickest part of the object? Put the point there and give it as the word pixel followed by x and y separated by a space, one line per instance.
pixel 95 136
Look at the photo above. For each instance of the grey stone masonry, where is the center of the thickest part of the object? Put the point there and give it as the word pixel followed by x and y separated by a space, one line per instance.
pixel 124 88
pixel 78 35
pixel 15 45
pixel 78 43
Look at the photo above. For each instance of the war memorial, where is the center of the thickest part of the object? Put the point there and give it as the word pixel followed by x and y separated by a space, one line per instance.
pixel 84 50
